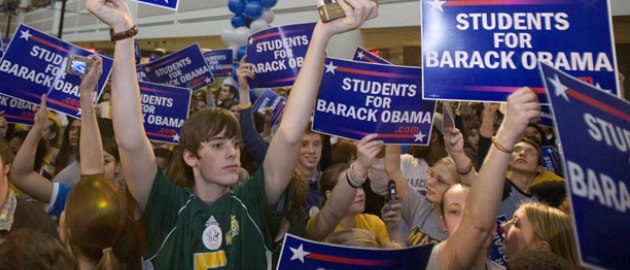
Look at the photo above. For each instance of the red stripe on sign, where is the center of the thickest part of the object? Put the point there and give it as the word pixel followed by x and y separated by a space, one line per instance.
pixel 328 258
pixel 375 73
pixel 49 44
pixel 597 104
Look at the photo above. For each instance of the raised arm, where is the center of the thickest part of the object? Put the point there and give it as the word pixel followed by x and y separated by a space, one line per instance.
pixel 486 131
pixel 392 168
pixel 483 202
pixel 454 141
pixel 254 143
pixel 22 174
pixel 90 144
pixel 136 155
pixel 342 196
pixel 284 147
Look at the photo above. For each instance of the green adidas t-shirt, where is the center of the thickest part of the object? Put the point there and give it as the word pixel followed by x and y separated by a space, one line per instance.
pixel 235 232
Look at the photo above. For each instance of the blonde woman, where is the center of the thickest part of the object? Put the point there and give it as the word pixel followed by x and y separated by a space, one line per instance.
pixel 540 227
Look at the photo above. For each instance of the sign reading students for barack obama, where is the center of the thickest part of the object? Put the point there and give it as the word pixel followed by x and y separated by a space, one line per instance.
pixel 594 130
pixel 277 54
pixel 357 98
pixel 485 50
pixel 17 111
pixel 164 109
pixel 186 68
pixel 34 64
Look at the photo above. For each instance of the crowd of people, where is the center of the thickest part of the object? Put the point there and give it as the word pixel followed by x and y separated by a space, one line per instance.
pixel 226 195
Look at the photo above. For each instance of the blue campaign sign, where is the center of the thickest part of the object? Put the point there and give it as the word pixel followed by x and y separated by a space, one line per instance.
pixel 5 44
pixel 485 50
pixel 142 77
pixel 550 159
pixel 34 64
pixel 270 99
pixel 546 118
pixel 277 54
pixel 358 98
pixel 17 111
pixel 164 108
pixel 167 4
pixel 185 68
pixel 594 131
pixel 220 62
pixel 1 45
pixel 137 51
pixel 299 253
pixel 364 55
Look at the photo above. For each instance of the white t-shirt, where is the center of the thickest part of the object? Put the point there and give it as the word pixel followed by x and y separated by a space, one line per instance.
pixel 416 170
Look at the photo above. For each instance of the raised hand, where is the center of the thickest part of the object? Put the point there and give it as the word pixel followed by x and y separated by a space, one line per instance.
pixel 243 72
pixel 41 116
pixel 367 149
pixel 114 13
pixel 89 80
pixel 454 141
pixel 523 107
pixel 357 12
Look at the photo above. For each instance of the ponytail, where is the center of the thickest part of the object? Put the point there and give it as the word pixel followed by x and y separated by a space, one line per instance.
pixel 109 261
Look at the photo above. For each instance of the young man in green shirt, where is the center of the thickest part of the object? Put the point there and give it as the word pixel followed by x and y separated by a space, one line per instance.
pixel 209 225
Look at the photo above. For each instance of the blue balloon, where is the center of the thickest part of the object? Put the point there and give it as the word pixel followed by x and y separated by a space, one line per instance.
pixel 242 51
pixel 253 10
pixel 268 3
pixel 236 6
pixel 238 21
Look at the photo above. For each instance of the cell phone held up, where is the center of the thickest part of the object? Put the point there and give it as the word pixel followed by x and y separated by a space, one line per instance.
pixel 330 9
pixel 78 65
pixel 392 193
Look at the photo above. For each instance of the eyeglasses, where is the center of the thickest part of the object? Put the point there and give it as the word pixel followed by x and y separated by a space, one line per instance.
pixel 526 150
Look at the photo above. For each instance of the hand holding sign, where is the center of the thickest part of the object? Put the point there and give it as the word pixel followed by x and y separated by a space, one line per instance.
pixel 357 12
pixel 243 72
pixel 449 120
pixel 523 107
pixel 41 116
pixel 454 141
pixel 114 13
pixel 367 149
pixel 89 80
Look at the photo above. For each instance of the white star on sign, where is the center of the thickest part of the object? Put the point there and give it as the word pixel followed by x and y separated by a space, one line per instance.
pixel 419 136
pixel 25 34
pixel 208 80
pixel 79 112
pixel 147 69
pixel 360 55
pixel 561 90
pixel 330 68
pixel 437 4
pixel 176 137
pixel 605 90
pixel 298 253
pixel 251 41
